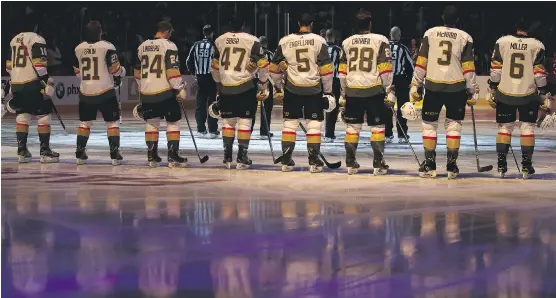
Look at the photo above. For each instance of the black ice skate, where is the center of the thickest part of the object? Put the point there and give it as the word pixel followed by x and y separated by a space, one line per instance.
pixel 81 156
pixel 527 165
pixel 152 156
pixel 502 165
pixel 287 162
pixel 23 155
pixel 228 155
pixel 243 161
pixel 451 166
pixel 116 156
pixel 315 164
pixel 49 156
pixel 428 166
pixel 379 166
pixel 175 160
pixel 352 165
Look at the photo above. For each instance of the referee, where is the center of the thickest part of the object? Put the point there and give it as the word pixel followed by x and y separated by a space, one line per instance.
pixel 198 63
pixel 331 117
pixel 402 65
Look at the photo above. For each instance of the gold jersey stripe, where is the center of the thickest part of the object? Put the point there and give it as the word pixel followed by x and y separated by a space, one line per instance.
pixel 384 67
pixel 172 73
pixel 215 64
pixel 8 64
pixel 137 74
pixel 422 62
pixel 468 66
pixel 342 68
pixel 262 63
pixel 114 68
pixel 274 68
pixel 445 82
pixel 516 95
pixel 303 85
pixel 326 69
pixel 155 93
pixel 365 87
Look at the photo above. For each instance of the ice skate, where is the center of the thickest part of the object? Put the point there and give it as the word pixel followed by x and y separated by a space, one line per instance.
pixel 380 167
pixel 353 167
pixel 153 158
pixel 81 156
pixel 527 165
pixel 315 164
pixel 502 165
pixel 49 156
pixel 428 166
pixel 451 166
pixel 243 161
pixel 202 134
pixel 116 156
pixel 289 166
pixel 403 141
pixel 266 136
pixel 214 135
pixel 389 139
pixel 175 160
pixel 24 156
pixel 329 139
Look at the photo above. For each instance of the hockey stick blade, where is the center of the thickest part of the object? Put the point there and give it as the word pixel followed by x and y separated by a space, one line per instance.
pixel 485 169
pixel 278 160
pixel 204 159
pixel 333 165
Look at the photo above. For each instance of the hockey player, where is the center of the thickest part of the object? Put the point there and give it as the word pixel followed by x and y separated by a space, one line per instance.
pixel 517 73
pixel 366 85
pixel 98 67
pixel 158 76
pixel 305 58
pixel 446 69
pixel 236 57
pixel 31 93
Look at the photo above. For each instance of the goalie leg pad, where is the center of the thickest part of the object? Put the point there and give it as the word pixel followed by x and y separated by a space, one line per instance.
pixel 429 134
pixel 453 134
pixel 504 137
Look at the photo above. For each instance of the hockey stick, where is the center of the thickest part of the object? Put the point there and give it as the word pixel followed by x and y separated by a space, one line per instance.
pixel 329 165
pixel 515 159
pixel 201 159
pixel 479 168
pixel 119 100
pixel 263 112
pixel 44 85
pixel 406 137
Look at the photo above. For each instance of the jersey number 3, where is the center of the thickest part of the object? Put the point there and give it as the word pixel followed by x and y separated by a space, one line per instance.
pixel 446 58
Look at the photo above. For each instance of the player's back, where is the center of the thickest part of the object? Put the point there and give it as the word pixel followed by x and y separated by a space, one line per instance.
pixel 97 62
pixel 306 55
pixel 234 53
pixel 365 58
pixel 520 58
pixel 22 73
pixel 157 60
pixel 446 54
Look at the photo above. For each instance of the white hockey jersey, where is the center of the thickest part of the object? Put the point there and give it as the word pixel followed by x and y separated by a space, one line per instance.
pixel 518 66
pixel 237 57
pixel 23 46
pixel 365 65
pixel 157 70
pixel 97 65
pixel 446 61
pixel 307 62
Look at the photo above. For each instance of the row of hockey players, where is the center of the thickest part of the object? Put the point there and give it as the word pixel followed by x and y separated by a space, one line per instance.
pixel 301 72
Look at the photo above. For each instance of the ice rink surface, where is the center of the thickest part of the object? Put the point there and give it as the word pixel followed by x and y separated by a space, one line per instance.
pixel 205 231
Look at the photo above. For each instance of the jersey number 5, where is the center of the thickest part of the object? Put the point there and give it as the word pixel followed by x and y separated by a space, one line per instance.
pixel 516 69
pixel 86 63
pixel 303 61
pixel 446 52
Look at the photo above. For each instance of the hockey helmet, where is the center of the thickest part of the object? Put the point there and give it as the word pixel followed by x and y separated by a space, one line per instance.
pixel 329 102
pixel 410 111
pixel 138 112
pixel 214 110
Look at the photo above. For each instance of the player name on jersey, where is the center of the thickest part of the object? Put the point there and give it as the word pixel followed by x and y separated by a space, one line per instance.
pixel 360 40
pixel 300 43
pixel 232 40
pixel 452 35
pixel 518 46
pixel 92 51
pixel 151 48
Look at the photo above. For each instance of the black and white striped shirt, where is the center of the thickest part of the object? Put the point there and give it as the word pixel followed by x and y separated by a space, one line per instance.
pixel 402 63
pixel 200 57
pixel 335 52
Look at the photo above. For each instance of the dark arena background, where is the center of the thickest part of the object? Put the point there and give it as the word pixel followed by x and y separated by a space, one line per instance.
pixel 98 230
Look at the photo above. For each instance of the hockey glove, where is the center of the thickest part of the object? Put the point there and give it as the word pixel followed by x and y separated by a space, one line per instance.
pixel 390 100
pixel 342 101
pixel 546 106
pixel 490 98
pixel 278 94
pixel 181 95
pixel 138 112
pixel 262 92
pixel 251 67
pixel 329 102
pixel 415 93
pixel 472 99
pixel 48 89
